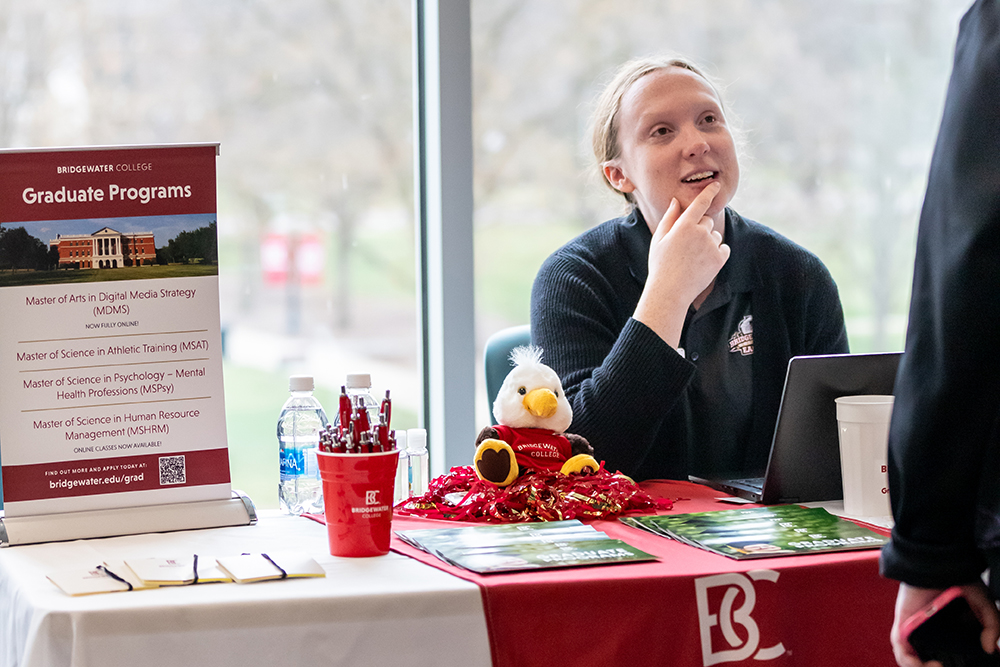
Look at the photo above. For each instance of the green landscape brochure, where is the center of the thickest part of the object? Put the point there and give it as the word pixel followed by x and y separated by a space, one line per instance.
pixel 523 546
pixel 780 530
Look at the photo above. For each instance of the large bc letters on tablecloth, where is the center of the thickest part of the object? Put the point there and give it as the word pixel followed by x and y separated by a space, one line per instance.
pixel 111 390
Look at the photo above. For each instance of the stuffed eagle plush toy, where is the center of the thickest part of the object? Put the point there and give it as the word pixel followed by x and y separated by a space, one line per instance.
pixel 533 415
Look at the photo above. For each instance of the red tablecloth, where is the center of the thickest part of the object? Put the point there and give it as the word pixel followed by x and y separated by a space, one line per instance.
pixel 691 607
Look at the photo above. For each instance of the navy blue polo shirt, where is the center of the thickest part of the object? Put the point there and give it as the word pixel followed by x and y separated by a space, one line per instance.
pixel 718 339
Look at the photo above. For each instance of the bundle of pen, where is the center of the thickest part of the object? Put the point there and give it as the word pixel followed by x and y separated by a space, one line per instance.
pixel 358 464
pixel 353 432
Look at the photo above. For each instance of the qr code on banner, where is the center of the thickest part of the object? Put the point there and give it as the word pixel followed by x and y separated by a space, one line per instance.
pixel 172 470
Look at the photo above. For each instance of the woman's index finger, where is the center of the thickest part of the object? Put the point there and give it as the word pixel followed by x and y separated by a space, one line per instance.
pixel 703 201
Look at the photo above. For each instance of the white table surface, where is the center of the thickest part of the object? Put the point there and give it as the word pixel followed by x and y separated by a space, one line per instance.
pixel 387 610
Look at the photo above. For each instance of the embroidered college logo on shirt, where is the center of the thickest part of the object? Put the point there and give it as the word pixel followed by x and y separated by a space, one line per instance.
pixel 742 339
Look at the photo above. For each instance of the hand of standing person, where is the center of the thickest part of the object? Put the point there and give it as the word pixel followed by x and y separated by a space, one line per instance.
pixel 912 599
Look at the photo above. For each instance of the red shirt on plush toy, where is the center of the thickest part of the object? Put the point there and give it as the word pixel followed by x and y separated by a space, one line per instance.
pixel 533 415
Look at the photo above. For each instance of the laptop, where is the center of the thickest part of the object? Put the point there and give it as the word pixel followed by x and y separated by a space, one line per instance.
pixel 804 464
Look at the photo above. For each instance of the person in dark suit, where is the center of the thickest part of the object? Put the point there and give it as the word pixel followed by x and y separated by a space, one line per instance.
pixel 944 441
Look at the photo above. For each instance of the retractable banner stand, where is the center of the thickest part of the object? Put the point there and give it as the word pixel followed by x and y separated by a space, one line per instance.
pixel 111 388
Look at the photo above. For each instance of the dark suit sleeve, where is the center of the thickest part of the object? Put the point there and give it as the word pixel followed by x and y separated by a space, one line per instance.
pixel 943 468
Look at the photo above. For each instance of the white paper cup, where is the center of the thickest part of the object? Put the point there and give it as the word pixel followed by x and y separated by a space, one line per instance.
pixel 864 451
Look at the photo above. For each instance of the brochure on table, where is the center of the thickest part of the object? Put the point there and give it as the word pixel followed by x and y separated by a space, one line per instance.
pixel 760 532
pixel 111 389
pixel 493 549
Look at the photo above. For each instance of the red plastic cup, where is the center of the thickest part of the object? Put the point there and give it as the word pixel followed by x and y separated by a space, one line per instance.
pixel 357 495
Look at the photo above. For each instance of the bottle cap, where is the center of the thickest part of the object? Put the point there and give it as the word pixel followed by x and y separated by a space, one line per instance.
pixel 359 381
pixel 400 436
pixel 300 383
pixel 416 440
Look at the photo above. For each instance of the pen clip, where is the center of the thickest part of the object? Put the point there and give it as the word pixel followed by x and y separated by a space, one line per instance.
pixel 386 408
pixel 361 417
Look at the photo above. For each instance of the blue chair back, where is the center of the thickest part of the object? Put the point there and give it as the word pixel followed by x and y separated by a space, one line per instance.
pixel 496 358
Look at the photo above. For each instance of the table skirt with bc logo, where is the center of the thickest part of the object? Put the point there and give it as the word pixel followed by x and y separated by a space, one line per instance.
pixel 691 607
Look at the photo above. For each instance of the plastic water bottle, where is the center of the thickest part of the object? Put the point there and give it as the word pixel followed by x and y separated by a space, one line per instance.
pixel 302 417
pixel 401 489
pixel 359 387
pixel 416 450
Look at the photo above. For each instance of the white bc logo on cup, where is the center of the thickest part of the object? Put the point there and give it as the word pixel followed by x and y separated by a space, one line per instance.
pixel 371 497
pixel 727 618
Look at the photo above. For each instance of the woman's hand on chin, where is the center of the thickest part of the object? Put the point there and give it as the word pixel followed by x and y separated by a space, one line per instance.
pixel 685 256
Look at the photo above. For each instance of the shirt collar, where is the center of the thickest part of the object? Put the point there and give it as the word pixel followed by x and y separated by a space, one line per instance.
pixel 737 275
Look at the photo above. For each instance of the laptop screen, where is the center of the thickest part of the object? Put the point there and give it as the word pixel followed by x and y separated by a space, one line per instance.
pixel 804 465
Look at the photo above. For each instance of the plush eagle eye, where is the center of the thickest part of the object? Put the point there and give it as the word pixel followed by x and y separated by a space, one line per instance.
pixel 522 391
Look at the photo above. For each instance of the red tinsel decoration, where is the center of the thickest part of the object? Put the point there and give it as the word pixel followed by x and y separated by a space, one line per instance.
pixel 534 496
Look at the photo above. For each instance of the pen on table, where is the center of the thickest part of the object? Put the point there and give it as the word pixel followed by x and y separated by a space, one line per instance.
pixel 352 438
pixel 382 432
pixel 362 416
pixel 385 410
pixel 344 408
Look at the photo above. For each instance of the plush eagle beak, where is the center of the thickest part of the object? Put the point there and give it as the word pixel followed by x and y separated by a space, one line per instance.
pixel 540 402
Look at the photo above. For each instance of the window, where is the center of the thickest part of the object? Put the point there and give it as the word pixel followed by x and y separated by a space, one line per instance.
pixel 311 102
pixel 839 102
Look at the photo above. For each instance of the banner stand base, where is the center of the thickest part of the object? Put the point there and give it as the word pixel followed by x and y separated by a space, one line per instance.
pixel 238 510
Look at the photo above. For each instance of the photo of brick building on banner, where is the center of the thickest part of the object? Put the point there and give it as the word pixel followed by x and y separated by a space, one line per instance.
pixel 105 249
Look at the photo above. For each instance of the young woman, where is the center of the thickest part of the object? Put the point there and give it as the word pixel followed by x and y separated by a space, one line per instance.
pixel 672 326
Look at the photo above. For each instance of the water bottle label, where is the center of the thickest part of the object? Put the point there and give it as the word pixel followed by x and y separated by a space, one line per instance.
pixel 311 464
pixel 292 463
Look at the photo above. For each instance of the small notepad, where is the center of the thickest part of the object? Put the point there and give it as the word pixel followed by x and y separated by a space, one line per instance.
pixel 210 573
pixel 163 571
pixel 87 582
pixel 118 568
pixel 177 571
pixel 249 568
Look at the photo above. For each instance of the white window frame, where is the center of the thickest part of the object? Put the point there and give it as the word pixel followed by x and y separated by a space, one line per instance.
pixel 443 172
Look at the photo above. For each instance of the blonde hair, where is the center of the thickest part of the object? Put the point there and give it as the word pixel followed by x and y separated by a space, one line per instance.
pixel 604 121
